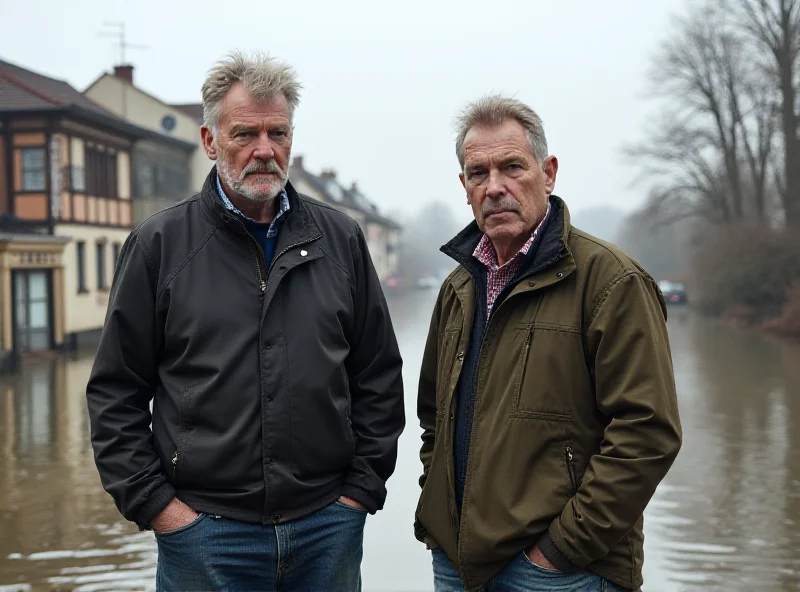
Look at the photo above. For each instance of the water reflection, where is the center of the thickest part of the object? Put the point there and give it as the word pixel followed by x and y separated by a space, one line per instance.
pixel 723 520
pixel 60 531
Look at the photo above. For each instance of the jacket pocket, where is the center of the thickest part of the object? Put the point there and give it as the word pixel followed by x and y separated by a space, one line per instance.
pixel 544 378
pixel 179 459
pixel 446 363
pixel 434 519
pixel 352 433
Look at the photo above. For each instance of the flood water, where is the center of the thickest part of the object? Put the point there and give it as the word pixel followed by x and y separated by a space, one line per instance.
pixel 726 518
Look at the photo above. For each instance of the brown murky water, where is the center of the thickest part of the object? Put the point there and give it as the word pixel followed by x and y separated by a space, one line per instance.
pixel 726 518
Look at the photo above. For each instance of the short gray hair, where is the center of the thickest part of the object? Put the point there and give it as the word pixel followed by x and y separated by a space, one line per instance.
pixel 264 77
pixel 493 110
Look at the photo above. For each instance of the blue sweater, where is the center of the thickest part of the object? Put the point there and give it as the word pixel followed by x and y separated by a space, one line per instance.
pixel 268 241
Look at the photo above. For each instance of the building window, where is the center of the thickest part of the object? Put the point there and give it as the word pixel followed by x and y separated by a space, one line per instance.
pixel 33 169
pixel 117 247
pixel 101 173
pixel 101 265
pixel 78 176
pixel 80 249
pixel 161 181
pixel 145 181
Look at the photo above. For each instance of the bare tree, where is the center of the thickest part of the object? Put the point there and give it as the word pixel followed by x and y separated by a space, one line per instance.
pixel 713 150
pixel 774 25
pixel 665 251
pixel 759 123
pixel 685 174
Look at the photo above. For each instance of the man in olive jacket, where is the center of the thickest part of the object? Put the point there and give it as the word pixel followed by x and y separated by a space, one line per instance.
pixel 546 394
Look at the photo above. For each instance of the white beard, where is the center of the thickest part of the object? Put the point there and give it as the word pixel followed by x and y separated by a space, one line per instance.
pixel 257 190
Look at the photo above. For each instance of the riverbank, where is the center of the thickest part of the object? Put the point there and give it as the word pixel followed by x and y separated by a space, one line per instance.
pixel 748 276
pixel 788 324
pixel 784 324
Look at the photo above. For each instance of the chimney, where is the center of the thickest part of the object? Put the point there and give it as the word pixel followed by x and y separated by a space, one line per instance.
pixel 125 72
pixel 354 187
pixel 297 162
pixel 328 174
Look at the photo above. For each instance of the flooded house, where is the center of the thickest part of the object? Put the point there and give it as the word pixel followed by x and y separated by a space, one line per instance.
pixel 382 233
pixel 172 164
pixel 66 201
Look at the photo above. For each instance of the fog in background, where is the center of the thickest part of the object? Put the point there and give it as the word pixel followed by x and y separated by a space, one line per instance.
pixel 383 81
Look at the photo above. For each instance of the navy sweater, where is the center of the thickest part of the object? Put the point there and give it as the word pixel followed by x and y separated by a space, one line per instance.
pixel 259 232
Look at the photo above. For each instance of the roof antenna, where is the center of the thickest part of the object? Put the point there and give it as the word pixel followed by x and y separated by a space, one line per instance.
pixel 119 34
pixel 123 45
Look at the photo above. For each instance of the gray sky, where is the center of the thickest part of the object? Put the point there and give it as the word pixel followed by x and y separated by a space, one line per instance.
pixel 383 81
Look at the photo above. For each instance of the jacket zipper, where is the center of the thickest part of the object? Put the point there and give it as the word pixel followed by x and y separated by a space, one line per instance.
pixel 175 464
pixel 451 504
pixel 573 480
pixel 262 278
pixel 472 433
pixel 254 251
pixel 498 305
pixel 292 246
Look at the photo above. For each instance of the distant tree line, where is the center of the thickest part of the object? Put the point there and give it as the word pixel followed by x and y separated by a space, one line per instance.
pixel 721 163
pixel 424 232
pixel 726 146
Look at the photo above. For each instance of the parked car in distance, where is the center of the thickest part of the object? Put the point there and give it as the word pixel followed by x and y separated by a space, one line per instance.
pixel 674 292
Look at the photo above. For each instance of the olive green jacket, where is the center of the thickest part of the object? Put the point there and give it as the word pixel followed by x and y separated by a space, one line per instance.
pixel 576 415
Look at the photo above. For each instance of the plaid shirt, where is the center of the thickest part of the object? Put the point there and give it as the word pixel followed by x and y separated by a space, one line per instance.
pixel 497 277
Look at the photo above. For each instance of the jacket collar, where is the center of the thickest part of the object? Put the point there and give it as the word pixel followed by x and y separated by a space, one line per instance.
pixel 298 225
pixel 551 249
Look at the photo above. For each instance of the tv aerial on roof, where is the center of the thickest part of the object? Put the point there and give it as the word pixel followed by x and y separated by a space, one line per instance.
pixel 119 34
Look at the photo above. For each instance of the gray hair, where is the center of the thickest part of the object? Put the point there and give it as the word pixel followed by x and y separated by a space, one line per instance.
pixel 493 110
pixel 264 77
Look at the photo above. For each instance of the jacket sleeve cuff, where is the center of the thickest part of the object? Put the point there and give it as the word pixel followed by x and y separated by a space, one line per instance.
pixel 554 555
pixel 361 496
pixel 158 500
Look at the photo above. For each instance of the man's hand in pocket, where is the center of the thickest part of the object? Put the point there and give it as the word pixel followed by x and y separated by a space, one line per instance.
pixel 174 516
pixel 352 503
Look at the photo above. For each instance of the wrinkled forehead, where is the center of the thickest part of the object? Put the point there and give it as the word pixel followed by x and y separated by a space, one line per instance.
pixel 508 138
pixel 240 104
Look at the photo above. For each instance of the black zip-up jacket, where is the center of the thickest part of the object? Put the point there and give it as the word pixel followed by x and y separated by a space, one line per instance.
pixel 275 389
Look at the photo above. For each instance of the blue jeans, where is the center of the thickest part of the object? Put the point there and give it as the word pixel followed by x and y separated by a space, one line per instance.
pixel 321 551
pixel 520 575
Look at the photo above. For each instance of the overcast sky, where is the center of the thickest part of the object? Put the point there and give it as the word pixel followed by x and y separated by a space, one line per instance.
pixel 383 81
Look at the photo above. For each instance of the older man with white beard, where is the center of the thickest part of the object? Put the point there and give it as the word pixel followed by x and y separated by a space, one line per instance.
pixel 253 319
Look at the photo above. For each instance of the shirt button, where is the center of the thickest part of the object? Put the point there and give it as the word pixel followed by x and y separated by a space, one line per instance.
pixel 303 253
pixel 560 275
pixel 460 356
pixel 531 284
